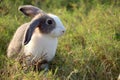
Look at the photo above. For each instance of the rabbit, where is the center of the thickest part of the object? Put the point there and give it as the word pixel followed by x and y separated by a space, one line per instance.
pixel 37 38
pixel 118 77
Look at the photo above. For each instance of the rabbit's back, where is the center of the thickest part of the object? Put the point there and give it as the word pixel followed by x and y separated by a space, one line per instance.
pixel 15 45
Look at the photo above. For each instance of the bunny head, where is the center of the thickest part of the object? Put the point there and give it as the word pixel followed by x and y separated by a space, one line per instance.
pixel 48 24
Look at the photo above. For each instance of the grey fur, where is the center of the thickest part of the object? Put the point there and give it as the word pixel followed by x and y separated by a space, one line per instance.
pixel 46 25
pixel 15 45
pixel 30 10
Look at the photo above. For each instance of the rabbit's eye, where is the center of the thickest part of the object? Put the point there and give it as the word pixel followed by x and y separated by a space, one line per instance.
pixel 49 22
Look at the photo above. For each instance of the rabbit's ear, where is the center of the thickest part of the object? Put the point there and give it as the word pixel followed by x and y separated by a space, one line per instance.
pixel 30 30
pixel 30 10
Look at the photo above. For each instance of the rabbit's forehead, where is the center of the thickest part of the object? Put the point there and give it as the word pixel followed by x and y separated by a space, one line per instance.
pixel 43 17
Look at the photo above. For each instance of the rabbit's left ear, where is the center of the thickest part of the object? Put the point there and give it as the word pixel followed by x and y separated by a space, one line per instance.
pixel 30 10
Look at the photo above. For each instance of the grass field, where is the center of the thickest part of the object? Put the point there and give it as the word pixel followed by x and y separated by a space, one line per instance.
pixel 89 50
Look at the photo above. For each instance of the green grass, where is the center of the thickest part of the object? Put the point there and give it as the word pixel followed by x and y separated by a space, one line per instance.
pixel 89 50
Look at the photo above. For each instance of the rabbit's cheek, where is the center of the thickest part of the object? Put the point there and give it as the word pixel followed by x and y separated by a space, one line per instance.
pixel 57 32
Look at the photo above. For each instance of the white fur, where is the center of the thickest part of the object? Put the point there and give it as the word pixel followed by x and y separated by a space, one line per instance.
pixel 44 44
pixel 60 29
pixel 119 77
pixel 41 45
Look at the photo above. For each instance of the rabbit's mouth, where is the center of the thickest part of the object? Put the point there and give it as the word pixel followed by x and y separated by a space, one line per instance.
pixel 57 33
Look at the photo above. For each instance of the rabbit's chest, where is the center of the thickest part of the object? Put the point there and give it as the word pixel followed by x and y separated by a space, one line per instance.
pixel 41 46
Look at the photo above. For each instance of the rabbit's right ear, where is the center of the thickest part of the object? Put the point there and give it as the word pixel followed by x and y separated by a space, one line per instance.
pixel 30 10
pixel 30 30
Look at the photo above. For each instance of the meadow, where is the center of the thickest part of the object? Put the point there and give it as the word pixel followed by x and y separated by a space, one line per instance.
pixel 89 50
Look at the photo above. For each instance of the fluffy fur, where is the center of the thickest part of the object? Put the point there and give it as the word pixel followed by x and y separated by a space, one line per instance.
pixel 38 37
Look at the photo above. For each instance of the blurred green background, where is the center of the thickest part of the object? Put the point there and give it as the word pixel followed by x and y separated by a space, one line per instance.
pixel 89 50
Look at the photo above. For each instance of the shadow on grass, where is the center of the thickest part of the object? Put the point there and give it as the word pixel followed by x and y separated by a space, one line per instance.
pixel 117 36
